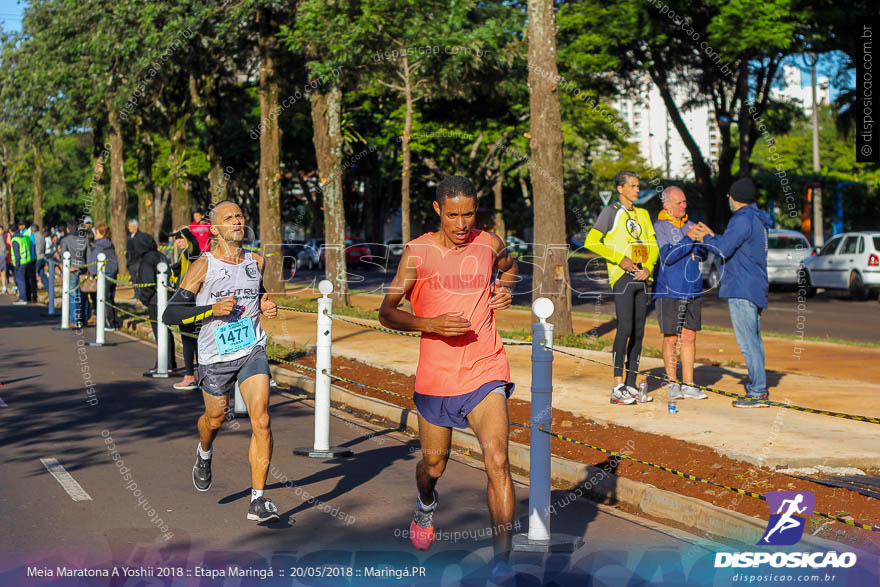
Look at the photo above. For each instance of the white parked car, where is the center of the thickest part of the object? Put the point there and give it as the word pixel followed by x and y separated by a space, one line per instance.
pixel 786 250
pixel 849 261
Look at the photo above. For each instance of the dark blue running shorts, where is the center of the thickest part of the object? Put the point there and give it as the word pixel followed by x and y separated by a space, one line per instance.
pixel 452 411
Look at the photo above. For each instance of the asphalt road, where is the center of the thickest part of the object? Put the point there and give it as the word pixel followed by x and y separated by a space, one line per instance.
pixel 66 502
pixel 829 314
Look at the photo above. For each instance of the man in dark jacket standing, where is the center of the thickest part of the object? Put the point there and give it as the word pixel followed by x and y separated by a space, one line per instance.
pixel 78 246
pixel 743 246
pixel 142 257
pixel 137 245
pixel 677 290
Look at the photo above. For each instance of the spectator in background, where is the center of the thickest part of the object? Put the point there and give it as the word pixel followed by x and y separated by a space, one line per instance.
pixel 201 229
pixel 624 236
pixel 677 288
pixel 21 258
pixel 4 252
pixel 88 230
pixel 77 245
pixel 190 250
pixel 137 245
pixel 103 244
pixel 142 257
pixel 41 266
pixel 743 246
pixel 12 288
pixel 30 271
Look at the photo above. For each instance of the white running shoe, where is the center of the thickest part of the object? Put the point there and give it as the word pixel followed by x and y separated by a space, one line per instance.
pixel 673 391
pixel 621 395
pixel 691 392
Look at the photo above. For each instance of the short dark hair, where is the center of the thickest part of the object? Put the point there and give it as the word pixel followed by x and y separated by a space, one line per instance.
pixel 71 225
pixel 621 176
pixel 453 186
pixel 217 205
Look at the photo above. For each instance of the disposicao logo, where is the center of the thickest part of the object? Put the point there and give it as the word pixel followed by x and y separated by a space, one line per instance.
pixel 792 510
pixel 789 512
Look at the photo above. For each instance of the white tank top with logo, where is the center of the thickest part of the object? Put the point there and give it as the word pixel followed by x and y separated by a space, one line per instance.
pixel 226 338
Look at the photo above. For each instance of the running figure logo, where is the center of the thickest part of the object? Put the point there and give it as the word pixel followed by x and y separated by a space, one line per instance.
pixel 786 525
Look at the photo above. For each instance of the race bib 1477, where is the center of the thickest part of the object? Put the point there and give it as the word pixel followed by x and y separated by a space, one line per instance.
pixel 235 336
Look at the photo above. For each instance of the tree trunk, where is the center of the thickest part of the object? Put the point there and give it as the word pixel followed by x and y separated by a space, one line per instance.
pixel 100 153
pixel 702 172
pixel 38 188
pixel 146 200
pixel 181 198
pixel 216 178
pixel 118 189
pixel 161 199
pixel 270 153
pixel 551 276
pixel 407 155
pixel 327 124
pixel 4 204
pixel 500 229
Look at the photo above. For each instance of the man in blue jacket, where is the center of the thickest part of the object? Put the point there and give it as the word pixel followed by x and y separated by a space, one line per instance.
pixel 743 246
pixel 677 289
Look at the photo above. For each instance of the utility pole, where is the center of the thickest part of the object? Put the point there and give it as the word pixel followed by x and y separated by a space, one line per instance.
pixel 818 235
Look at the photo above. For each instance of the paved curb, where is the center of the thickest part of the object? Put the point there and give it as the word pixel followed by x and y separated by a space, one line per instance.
pixel 590 481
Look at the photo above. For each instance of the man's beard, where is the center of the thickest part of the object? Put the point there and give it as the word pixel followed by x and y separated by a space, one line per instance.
pixel 730 204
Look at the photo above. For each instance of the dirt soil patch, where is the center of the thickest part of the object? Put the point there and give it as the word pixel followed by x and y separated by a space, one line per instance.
pixel 662 450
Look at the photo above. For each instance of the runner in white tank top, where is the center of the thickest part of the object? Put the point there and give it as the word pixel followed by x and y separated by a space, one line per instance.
pixel 223 290
pixel 221 281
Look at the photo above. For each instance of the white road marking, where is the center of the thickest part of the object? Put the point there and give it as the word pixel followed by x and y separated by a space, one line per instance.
pixel 73 489
pixel 3 403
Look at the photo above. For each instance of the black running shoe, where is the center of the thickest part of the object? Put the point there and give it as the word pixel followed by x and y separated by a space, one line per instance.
pixel 751 401
pixel 263 510
pixel 202 477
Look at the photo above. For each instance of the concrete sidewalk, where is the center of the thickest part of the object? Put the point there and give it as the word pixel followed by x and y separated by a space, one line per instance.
pixel 772 437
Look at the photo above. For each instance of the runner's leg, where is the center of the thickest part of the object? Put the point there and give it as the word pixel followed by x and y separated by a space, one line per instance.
pixel 639 304
pixel 624 311
pixel 255 392
pixel 212 419
pixel 435 441
pixel 490 423
pixel 688 351
pixel 669 358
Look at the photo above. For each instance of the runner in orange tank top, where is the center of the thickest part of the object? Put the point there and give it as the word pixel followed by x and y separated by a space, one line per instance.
pixel 463 378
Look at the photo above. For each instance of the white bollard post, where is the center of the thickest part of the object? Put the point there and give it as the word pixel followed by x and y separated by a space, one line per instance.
pixel 101 293
pixel 539 538
pixel 65 291
pixel 239 408
pixel 161 329
pixel 322 448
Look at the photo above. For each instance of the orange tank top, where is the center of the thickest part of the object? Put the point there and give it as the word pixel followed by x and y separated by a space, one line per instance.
pixel 457 280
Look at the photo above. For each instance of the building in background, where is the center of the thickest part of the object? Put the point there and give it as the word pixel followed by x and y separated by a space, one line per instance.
pixel 658 140
pixel 661 145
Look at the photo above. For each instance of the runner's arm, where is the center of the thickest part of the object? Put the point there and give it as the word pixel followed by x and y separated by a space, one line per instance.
pixel 653 250
pixel 504 263
pixel 267 307
pixel 502 295
pixel 391 316
pixel 182 308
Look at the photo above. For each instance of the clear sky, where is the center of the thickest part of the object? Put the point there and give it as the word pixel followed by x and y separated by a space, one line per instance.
pixel 11 14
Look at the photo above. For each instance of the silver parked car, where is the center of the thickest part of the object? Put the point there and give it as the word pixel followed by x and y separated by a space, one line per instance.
pixel 849 261
pixel 786 250
pixel 309 255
